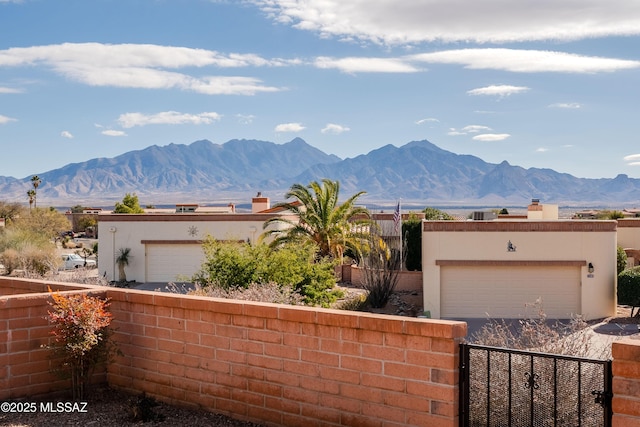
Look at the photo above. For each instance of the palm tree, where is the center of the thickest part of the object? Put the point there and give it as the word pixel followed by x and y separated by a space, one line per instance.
pixel 32 197
pixel 123 260
pixel 35 181
pixel 331 226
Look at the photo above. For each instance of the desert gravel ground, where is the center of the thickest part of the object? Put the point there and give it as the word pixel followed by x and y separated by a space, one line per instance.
pixel 110 408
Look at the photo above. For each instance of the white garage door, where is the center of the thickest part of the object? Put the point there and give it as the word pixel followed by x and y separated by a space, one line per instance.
pixel 168 263
pixel 508 292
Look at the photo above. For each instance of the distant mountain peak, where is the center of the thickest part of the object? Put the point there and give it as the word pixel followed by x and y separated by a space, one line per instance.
pixel 297 140
pixel 206 172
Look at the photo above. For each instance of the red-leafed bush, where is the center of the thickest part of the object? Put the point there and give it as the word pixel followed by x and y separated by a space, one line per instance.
pixel 81 337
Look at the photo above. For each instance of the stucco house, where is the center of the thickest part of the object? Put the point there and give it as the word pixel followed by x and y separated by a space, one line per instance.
pixel 471 269
pixel 629 239
pixel 510 268
pixel 166 247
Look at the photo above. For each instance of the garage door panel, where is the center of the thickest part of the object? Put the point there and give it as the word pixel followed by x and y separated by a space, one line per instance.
pixel 167 263
pixel 508 292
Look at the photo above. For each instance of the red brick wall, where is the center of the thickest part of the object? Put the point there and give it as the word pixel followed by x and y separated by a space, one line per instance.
pixel 273 364
pixel 626 383
pixel 15 286
pixel 287 365
pixel 25 367
pixel 407 280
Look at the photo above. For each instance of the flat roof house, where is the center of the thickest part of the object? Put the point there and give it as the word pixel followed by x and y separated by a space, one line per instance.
pixel 500 269
pixel 166 247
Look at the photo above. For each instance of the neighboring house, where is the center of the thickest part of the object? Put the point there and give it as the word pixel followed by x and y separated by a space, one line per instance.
pixel 501 268
pixel 596 213
pixel 629 239
pixel 168 247
pixel 75 218
pixel 95 211
pixel 471 269
pixel 631 213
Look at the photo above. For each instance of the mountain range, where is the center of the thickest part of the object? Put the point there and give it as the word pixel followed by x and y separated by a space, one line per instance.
pixel 417 172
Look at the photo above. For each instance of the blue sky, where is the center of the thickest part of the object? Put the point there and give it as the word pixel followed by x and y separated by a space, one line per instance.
pixel 545 83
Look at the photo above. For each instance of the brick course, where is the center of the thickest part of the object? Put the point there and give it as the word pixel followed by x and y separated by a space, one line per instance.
pixel 626 383
pixel 273 364
pixel 277 365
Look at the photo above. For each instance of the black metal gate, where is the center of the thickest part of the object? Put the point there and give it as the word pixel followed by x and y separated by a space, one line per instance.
pixel 511 388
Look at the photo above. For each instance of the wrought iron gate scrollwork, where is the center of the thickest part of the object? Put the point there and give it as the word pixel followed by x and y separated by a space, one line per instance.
pixel 513 388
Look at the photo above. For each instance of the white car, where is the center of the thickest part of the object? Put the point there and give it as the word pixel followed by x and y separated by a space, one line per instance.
pixel 71 261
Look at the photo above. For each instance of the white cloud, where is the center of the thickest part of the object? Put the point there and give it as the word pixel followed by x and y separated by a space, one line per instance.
pixel 130 56
pixel 566 105
pixel 394 22
pixel 632 158
pixel 245 119
pixel 525 61
pixel 366 65
pixel 498 90
pixel 468 129
pixel 228 86
pixel 335 129
pixel 143 66
pixel 489 137
pixel 7 90
pixel 541 150
pixel 289 127
pixel 66 134
pixel 427 120
pixel 5 119
pixel 511 60
pixel 475 128
pixel 158 79
pixel 113 133
pixel 129 120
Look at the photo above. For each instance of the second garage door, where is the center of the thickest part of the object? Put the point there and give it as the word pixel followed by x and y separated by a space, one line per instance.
pixel 509 292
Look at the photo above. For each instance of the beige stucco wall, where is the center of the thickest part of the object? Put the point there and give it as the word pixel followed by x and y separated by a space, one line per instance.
pixel 546 212
pixel 538 242
pixel 629 233
pixel 118 231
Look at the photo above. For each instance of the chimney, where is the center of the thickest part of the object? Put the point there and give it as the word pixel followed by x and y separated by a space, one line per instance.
pixel 259 203
pixel 535 205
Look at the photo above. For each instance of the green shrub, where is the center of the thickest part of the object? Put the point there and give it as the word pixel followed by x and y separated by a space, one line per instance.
pixel 621 259
pixel 228 265
pixel 629 287
pixel 231 265
pixel 355 302
pixel 412 232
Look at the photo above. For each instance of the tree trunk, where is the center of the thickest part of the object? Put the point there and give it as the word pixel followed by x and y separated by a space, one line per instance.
pixel 122 276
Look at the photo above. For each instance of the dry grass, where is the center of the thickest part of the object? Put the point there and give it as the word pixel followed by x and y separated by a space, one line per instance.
pixel 269 292
pixel 511 388
pixel 571 337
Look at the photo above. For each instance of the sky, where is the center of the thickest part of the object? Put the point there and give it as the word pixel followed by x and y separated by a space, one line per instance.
pixel 538 83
